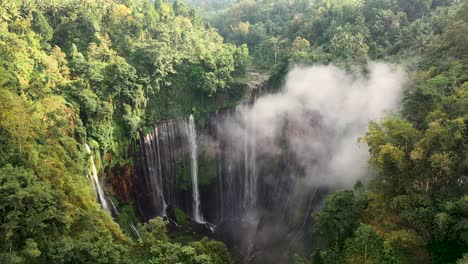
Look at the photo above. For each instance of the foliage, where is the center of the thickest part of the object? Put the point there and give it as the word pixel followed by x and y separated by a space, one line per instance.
pixel 181 217
pixel 337 218
pixel 413 209
pixel 96 72
pixel 154 246
pixel 345 32
pixel 99 71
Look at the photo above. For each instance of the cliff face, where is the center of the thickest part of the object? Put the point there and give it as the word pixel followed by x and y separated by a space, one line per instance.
pixel 162 170
pixel 120 183
pixel 160 175
pixel 255 199
pixel 240 189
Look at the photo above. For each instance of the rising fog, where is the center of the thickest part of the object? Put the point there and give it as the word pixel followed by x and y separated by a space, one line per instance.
pixel 320 114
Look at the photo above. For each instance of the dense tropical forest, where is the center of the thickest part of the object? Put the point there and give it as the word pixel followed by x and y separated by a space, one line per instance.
pixel 84 172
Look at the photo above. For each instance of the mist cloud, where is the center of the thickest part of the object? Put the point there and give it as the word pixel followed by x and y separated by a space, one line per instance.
pixel 319 115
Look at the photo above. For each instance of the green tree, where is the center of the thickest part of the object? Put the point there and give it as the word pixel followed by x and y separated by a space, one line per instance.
pixel 30 211
pixel 338 218
pixel 365 246
pixel 41 26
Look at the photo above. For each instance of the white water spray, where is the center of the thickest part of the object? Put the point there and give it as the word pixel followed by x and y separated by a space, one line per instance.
pixel 320 114
pixel 100 191
pixel 192 137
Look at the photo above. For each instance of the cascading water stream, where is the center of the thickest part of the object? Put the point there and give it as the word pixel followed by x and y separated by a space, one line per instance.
pixel 100 191
pixel 152 153
pixel 113 209
pixel 192 137
pixel 135 231
pixel 250 189
pixel 160 181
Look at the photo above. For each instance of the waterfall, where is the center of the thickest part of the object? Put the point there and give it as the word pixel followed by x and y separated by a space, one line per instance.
pixel 153 159
pixel 164 158
pixel 237 172
pixel 100 191
pixel 250 174
pixel 160 181
pixel 251 191
pixel 192 137
pixel 135 230
pixel 113 209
